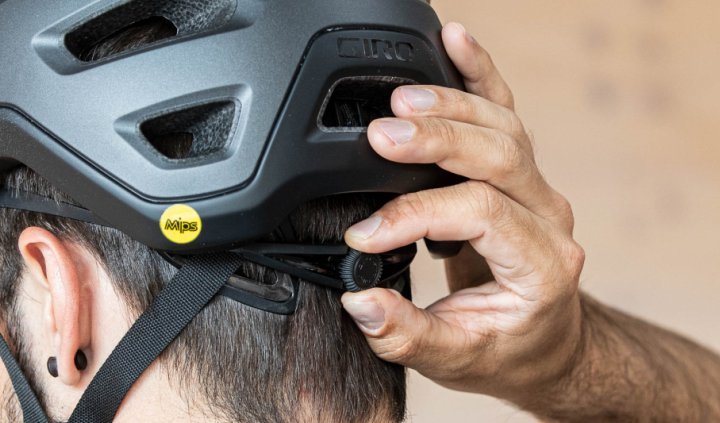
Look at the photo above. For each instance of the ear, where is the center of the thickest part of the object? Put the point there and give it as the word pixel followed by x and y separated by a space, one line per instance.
pixel 57 268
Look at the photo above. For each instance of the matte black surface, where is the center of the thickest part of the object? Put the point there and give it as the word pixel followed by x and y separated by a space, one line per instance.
pixel 285 306
pixel 78 123
pixel 361 271
pixel 18 200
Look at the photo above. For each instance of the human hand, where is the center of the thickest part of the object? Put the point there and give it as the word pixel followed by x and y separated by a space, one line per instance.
pixel 520 331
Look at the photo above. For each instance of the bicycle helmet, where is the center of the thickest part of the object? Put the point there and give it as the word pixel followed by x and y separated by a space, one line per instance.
pixel 275 96
pixel 206 139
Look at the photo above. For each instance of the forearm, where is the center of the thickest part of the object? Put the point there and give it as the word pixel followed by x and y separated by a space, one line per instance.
pixel 628 370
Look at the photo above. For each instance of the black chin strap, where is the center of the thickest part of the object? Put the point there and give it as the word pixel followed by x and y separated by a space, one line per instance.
pixel 192 288
pixel 195 284
pixel 32 412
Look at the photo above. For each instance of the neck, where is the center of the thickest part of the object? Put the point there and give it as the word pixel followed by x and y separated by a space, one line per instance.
pixel 153 398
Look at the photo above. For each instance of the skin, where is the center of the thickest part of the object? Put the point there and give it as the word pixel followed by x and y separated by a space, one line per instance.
pixel 516 325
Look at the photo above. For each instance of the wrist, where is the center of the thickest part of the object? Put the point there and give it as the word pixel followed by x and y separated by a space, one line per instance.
pixel 550 368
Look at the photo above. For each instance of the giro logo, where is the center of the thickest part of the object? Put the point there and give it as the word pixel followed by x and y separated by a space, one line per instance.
pixel 367 48
pixel 180 224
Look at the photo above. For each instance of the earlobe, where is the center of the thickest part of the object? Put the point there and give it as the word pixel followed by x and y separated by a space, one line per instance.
pixel 55 269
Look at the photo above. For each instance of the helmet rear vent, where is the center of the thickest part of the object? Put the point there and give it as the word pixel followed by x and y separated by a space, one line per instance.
pixel 193 133
pixel 352 103
pixel 131 20
pixel 146 32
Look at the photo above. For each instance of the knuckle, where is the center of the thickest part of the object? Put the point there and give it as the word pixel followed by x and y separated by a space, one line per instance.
pixel 509 156
pixel 564 210
pixel 401 208
pixel 576 257
pixel 471 110
pixel 441 129
pixel 502 95
pixel 563 204
pixel 409 206
pixel 573 257
pixel 475 109
pixel 446 140
pixel 514 156
pixel 399 348
pixel 486 201
pixel 515 125
pixel 567 213
pixel 459 101
pixel 508 98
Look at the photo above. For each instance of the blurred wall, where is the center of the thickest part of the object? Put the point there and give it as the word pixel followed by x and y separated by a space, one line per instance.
pixel 621 97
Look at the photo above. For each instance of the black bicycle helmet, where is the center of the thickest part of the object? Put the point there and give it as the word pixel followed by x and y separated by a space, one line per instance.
pixel 274 94
pixel 272 99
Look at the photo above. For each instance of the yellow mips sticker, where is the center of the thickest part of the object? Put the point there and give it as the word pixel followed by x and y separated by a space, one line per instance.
pixel 181 224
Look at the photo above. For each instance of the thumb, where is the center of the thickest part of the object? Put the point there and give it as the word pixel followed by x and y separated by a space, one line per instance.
pixel 399 332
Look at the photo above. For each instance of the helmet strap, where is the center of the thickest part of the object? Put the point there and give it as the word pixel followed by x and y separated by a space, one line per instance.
pixel 196 283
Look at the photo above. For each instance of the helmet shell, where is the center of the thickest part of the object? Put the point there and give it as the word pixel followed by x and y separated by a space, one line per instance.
pixel 255 74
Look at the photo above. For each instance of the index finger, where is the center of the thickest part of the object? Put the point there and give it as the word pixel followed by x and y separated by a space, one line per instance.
pixel 476 66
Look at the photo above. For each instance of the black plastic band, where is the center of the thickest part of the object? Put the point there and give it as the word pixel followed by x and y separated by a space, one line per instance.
pixel 286 306
pixel 268 248
pixel 299 272
pixel 195 284
pixel 32 411
pixel 22 200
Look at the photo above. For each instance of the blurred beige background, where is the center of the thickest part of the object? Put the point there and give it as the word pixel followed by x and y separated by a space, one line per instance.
pixel 621 96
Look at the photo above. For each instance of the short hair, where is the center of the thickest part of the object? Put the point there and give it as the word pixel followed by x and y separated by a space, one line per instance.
pixel 245 364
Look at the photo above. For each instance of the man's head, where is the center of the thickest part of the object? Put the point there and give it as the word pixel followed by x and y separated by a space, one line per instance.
pixel 67 286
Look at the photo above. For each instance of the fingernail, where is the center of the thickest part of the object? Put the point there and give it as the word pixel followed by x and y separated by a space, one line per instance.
pixel 399 131
pixel 367 314
pixel 418 98
pixel 366 228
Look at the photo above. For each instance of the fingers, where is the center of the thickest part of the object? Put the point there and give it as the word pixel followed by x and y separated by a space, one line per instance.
pixel 399 332
pixel 451 342
pixel 471 151
pixel 451 104
pixel 501 230
pixel 516 243
pixel 477 68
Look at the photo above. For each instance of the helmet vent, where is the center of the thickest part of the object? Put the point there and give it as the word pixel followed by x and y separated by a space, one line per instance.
pixel 178 18
pixel 193 133
pixel 352 103
pixel 131 38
